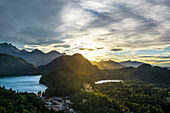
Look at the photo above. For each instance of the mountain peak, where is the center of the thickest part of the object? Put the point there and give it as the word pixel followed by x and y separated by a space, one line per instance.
pixel 130 63
pixel 145 66
pixel 37 51
pixel 76 63
pixel 7 44
pixel 78 54
pixel 36 57
pixel 53 52
pixel 8 48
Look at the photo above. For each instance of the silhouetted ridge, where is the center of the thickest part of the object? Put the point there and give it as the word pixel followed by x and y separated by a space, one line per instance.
pixel 144 72
pixel 37 51
pixel 130 63
pixel 144 66
pixel 76 63
pixel 11 65
pixel 108 65
pixel 35 57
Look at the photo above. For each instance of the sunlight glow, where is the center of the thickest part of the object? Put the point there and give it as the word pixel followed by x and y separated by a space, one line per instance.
pixel 87 48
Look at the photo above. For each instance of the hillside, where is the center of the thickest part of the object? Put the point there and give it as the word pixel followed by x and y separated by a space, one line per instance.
pixel 153 74
pixel 67 74
pixel 75 63
pixel 11 65
pixel 35 57
pixel 145 72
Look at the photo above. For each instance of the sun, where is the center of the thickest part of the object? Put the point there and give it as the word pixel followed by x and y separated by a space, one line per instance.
pixel 87 48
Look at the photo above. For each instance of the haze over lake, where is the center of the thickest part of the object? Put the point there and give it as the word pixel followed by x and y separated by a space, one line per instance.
pixel 23 83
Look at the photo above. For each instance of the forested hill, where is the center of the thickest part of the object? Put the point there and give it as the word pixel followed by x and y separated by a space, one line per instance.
pixel 145 72
pixel 68 74
pixel 11 65
pixel 154 74
pixel 75 63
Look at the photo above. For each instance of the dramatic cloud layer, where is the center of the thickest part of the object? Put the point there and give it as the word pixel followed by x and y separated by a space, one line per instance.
pixel 105 28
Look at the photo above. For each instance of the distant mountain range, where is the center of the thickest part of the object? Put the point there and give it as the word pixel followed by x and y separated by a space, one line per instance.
pixel 11 65
pixel 108 65
pixel 131 63
pixel 35 57
pixel 144 72
pixel 111 65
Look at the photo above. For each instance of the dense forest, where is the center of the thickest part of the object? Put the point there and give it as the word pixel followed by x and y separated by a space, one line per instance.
pixel 14 102
pixel 145 73
pixel 126 97
pixel 137 96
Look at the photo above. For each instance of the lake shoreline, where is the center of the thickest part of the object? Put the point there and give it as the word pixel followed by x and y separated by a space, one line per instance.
pixel 23 83
pixel 20 75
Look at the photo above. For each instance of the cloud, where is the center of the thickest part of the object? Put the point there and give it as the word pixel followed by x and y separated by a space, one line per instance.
pixel 158 60
pixel 162 57
pixel 30 20
pixel 116 49
pixel 88 49
pixel 36 32
pixel 127 23
pixel 45 42
pixel 100 39
pixel 99 48
pixel 64 46
pixel 134 25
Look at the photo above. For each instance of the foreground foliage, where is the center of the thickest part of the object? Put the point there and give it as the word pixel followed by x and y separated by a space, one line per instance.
pixel 138 97
pixel 95 102
pixel 11 102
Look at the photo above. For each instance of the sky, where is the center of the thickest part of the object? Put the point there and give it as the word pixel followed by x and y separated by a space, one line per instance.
pixel 119 30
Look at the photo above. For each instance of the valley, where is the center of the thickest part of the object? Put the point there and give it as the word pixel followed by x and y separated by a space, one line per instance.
pixel 95 87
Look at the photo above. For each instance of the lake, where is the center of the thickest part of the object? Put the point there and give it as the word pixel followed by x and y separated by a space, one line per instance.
pixel 107 81
pixel 23 83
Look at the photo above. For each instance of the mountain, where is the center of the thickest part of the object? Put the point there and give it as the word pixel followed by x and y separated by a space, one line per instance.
pixel 109 65
pixel 75 63
pixel 145 72
pixel 35 57
pixel 11 65
pixel 166 67
pixel 130 63
pixel 67 74
pixel 154 74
